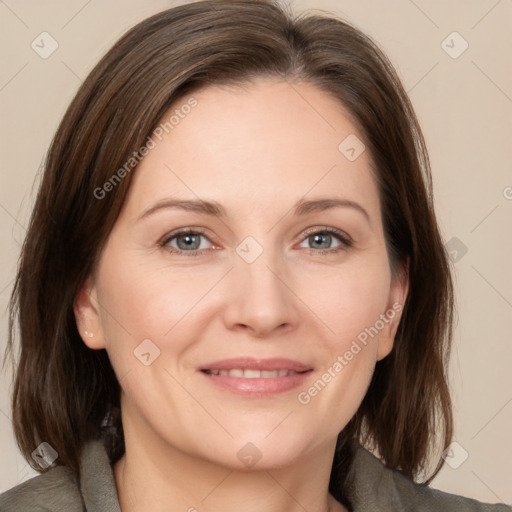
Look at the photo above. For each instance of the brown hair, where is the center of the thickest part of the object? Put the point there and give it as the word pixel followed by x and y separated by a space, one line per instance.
pixel 63 391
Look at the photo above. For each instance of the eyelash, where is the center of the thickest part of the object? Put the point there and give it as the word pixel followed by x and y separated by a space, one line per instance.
pixel 345 241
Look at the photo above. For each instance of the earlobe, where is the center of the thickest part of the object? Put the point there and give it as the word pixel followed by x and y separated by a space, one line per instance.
pixel 396 302
pixel 87 317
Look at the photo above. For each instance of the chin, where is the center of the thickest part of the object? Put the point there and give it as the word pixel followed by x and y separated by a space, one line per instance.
pixel 255 452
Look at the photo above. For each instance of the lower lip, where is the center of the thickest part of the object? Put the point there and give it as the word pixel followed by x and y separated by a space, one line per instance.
pixel 259 386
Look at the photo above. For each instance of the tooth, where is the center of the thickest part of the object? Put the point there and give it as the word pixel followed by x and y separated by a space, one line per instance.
pixel 252 374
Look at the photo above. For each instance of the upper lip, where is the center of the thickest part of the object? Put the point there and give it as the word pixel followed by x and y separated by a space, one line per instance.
pixel 251 363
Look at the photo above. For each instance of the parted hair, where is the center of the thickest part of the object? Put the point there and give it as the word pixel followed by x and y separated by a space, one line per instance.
pixel 67 394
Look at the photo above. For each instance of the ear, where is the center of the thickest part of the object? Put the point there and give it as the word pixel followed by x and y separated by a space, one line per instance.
pixel 391 317
pixel 87 316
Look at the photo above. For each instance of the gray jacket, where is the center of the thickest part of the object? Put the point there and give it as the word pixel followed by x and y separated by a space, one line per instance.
pixel 371 487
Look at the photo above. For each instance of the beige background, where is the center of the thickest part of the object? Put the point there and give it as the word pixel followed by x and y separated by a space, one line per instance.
pixel 465 107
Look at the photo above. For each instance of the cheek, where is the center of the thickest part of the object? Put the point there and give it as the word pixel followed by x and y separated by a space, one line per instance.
pixel 348 299
pixel 138 303
pixel 349 302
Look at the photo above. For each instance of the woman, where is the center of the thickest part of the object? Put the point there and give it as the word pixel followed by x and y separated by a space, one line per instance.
pixel 233 281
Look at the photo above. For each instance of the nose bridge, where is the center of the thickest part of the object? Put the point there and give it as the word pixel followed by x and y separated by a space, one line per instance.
pixel 257 267
pixel 261 300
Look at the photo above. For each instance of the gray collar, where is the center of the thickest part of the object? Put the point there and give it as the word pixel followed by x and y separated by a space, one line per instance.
pixel 368 482
pixel 97 483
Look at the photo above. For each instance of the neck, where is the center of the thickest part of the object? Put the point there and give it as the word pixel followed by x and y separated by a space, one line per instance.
pixel 157 473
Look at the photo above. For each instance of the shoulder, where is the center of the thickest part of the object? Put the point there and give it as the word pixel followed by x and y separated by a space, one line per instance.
pixel 59 490
pixel 372 486
pixel 55 491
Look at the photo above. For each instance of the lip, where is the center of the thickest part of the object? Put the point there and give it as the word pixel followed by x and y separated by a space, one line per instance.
pixel 252 363
pixel 257 387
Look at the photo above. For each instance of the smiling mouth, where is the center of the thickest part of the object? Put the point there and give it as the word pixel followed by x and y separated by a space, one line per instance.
pixel 253 374
pixel 255 377
pixel 255 383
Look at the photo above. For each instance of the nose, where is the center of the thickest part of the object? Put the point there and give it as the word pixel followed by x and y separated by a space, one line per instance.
pixel 261 299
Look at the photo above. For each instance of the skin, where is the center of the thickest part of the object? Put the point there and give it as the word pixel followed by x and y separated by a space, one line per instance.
pixel 255 150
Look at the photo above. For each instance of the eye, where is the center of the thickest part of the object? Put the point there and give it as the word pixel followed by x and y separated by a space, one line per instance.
pixel 186 240
pixel 322 240
pixel 194 241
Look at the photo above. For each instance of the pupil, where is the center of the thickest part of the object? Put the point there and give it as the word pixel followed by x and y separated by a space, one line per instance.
pixel 190 242
pixel 322 240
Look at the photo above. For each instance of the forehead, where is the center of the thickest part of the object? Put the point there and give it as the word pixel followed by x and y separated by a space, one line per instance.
pixel 246 145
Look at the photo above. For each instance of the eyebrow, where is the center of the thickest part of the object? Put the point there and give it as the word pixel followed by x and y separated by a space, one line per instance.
pixel 214 209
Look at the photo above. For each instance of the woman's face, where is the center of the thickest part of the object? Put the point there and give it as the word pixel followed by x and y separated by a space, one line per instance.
pixel 264 323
